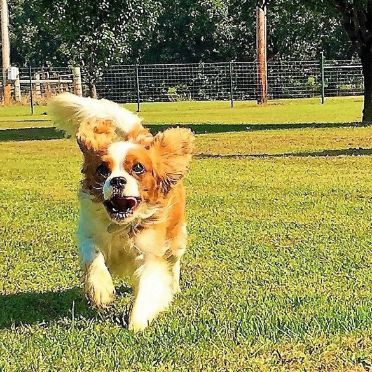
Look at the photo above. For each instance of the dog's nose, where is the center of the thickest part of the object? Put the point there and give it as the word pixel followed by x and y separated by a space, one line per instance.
pixel 118 182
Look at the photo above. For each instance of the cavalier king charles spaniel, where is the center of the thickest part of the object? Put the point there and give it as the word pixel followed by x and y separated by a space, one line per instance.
pixel 132 203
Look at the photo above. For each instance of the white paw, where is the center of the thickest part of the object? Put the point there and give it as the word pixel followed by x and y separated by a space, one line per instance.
pixel 99 287
pixel 142 315
pixel 138 323
pixel 144 312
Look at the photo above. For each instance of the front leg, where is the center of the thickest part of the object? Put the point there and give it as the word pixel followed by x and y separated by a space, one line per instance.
pixel 154 291
pixel 98 284
pixel 176 271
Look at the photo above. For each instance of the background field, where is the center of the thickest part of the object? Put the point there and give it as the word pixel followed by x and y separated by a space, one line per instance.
pixel 278 270
pixel 290 111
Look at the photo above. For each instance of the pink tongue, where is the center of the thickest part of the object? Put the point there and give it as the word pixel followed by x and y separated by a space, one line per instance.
pixel 123 203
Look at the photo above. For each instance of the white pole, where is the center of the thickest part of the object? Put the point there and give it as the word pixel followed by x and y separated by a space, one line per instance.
pixel 5 46
pixel 17 88
pixel 37 85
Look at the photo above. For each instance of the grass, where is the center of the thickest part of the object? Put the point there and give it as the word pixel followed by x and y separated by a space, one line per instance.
pixel 297 141
pixel 277 275
pixel 280 112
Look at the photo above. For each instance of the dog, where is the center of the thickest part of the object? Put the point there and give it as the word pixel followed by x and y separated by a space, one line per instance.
pixel 132 203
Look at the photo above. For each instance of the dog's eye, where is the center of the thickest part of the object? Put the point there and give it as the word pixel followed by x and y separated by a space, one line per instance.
pixel 103 171
pixel 138 168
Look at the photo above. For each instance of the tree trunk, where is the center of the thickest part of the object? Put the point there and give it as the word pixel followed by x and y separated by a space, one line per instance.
pixel 92 89
pixel 366 58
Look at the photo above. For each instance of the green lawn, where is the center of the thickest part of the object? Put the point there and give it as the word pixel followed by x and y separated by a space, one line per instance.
pixel 277 274
pixel 281 112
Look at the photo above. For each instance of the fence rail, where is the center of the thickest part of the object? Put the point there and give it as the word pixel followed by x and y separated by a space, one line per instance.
pixel 196 81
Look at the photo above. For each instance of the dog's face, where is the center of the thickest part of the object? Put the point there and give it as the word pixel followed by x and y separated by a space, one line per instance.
pixel 126 180
pixel 133 176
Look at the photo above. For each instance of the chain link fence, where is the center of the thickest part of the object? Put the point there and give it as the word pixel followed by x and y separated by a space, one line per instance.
pixel 196 81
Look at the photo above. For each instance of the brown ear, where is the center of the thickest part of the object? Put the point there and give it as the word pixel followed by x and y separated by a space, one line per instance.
pixel 173 149
pixel 95 135
pixel 140 135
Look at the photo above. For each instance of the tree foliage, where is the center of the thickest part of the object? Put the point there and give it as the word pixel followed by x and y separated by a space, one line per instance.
pixel 101 32
pixel 213 30
pixel 91 34
pixel 302 29
pixel 97 33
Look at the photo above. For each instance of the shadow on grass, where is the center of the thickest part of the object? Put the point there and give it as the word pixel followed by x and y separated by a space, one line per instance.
pixel 48 133
pixel 39 308
pixel 225 128
pixel 323 153
pixel 30 134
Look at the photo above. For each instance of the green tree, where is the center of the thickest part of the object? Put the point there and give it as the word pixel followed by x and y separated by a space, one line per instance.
pixel 191 31
pixel 32 39
pixel 214 30
pixel 91 34
pixel 302 29
pixel 99 32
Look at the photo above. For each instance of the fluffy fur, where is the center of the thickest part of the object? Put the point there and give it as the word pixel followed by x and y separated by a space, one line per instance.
pixel 132 203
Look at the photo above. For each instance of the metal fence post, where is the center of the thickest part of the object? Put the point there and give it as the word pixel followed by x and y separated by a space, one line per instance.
pixel 31 96
pixel 231 84
pixel 322 62
pixel 138 89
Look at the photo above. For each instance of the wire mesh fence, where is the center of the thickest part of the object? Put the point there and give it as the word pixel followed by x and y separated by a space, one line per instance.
pixel 226 81
pixel 196 81
pixel 294 79
pixel 181 82
pixel 117 83
pixel 244 81
pixel 343 78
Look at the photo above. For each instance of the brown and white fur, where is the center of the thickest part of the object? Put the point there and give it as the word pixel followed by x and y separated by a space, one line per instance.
pixel 132 203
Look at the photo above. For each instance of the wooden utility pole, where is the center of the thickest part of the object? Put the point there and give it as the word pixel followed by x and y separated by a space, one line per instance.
pixel 5 48
pixel 261 47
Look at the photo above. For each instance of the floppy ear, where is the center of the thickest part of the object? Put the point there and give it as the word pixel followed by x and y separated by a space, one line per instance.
pixel 95 135
pixel 173 149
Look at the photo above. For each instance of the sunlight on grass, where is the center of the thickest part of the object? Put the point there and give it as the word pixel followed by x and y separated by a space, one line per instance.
pixel 281 142
pixel 277 274
pixel 336 110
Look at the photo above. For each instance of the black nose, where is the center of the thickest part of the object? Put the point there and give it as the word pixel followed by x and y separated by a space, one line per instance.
pixel 118 182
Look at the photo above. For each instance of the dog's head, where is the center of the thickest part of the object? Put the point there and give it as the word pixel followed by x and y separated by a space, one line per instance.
pixel 130 176
pixel 125 168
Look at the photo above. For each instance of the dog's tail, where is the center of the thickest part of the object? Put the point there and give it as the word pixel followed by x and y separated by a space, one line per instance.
pixel 70 111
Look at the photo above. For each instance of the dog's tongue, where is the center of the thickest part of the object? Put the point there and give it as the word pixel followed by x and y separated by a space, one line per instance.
pixel 123 203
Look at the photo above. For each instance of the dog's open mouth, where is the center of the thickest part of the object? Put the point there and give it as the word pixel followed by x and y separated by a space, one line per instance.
pixel 121 207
